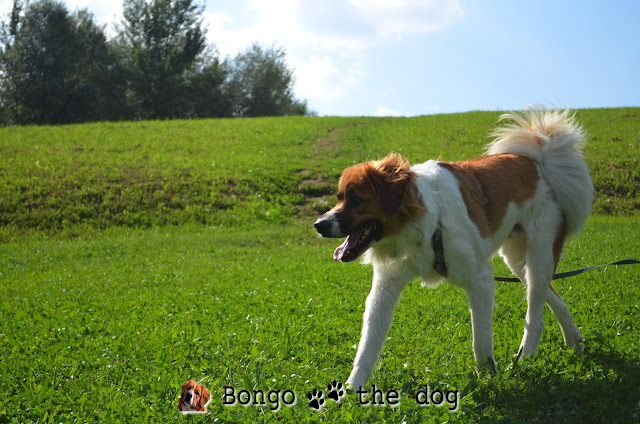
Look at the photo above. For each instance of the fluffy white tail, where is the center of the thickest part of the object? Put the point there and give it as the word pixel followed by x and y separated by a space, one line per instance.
pixel 555 140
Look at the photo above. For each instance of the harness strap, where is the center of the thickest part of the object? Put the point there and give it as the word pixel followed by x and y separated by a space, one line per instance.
pixel 438 250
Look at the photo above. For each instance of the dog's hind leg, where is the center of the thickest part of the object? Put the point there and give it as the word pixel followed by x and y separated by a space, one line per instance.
pixel 570 332
pixel 539 268
pixel 378 314
pixel 514 251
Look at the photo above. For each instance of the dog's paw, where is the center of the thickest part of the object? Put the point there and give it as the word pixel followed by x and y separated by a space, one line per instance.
pixel 316 399
pixel 489 365
pixel 336 391
pixel 578 345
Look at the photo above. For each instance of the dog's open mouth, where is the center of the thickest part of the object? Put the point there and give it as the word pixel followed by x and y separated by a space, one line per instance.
pixel 357 242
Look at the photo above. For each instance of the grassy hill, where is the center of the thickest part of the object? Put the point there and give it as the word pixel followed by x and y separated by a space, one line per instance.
pixel 136 256
pixel 230 172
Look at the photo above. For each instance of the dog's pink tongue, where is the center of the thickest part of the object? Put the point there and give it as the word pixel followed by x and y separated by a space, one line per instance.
pixel 349 243
pixel 340 250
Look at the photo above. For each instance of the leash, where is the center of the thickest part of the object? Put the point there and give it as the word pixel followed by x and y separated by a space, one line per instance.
pixel 571 273
pixel 439 265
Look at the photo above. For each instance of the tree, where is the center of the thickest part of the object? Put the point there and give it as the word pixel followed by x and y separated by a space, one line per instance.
pixel 261 84
pixel 204 93
pixel 35 63
pixel 55 67
pixel 161 40
pixel 99 79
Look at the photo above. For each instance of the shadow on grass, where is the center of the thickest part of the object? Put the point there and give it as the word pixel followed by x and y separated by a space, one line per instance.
pixel 601 386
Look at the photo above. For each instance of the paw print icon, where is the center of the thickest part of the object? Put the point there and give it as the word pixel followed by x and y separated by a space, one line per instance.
pixel 336 391
pixel 316 399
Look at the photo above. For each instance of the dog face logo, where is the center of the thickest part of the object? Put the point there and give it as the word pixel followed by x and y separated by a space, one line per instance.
pixel 195 397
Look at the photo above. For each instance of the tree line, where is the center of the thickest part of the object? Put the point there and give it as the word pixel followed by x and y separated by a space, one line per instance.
pixel 59 67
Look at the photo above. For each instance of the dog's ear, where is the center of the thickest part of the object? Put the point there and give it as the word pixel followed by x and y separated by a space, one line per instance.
pixel 391 177
pixel 204 398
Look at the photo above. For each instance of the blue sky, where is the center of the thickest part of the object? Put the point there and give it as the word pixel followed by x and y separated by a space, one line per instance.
pixel 415 57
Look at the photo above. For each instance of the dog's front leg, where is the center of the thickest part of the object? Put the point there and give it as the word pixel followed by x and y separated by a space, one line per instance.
pixel 481 293
pixel 378 314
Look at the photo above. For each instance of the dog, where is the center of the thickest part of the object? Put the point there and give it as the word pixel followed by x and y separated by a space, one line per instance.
pixel 195 397
pixel 440 220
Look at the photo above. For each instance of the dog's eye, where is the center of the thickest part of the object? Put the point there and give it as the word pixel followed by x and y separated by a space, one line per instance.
pixel 197 393
pixel 355 202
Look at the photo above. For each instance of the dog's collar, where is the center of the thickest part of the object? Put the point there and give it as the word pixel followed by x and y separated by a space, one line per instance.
pixel 438 250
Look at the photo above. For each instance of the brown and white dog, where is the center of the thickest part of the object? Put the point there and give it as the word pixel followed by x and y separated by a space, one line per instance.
pixel 523 199
pixel 195 397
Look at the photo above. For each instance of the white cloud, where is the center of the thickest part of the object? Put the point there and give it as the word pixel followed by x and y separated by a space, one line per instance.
pixel 220 32
pixel 336 26
pixel 314 75
pixel 385 111
pixel 325 77
pixel 5 9
pixel 269 23
pixel 326 41
pixel 306 27
pixel 109 20
pixel 80 4
pixel 365 23
pixel 393 19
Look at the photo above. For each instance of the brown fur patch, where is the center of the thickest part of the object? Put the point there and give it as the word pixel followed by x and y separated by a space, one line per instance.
pixel 388 191
pixel 490 183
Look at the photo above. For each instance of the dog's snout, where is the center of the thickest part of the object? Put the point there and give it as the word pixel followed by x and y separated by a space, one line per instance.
pixel 328 226
pixel 322 225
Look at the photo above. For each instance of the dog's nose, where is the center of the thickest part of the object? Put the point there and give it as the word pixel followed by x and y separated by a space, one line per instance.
pixel 328 226
pixel 187 397
pixel 322 225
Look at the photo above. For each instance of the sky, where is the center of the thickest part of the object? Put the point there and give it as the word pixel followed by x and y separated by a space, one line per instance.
pixel 419 57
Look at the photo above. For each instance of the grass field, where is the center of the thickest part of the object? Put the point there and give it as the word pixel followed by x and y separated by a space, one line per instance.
pixel 135 256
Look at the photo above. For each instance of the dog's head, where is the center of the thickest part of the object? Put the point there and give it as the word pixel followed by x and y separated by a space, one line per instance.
pixel 194 398
pixel 375 200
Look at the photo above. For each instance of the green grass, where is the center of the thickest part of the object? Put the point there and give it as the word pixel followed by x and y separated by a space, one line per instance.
pixel 107 329
pixel 228 172
pixel 136 256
